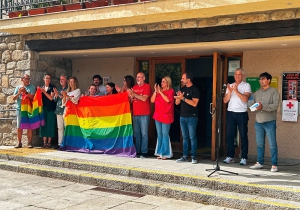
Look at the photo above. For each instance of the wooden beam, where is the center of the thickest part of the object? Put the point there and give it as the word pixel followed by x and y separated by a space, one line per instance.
pixel 189 35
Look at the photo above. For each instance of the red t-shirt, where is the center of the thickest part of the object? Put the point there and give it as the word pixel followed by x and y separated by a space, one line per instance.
pixel 141 107
pixel 164 111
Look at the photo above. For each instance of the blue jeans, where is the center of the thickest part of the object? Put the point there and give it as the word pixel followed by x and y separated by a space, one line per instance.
pixel 163 148
pixel 188 129
pixel 140 132
pixel 234 120
pixel 269 129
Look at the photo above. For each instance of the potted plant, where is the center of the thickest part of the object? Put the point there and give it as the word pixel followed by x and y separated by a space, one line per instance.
pixel 37 8
pixel 57 6
pixel 17 11
pixel 74 6
pixel 96 3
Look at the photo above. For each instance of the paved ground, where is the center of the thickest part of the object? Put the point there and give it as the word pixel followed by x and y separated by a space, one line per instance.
pixel 29 192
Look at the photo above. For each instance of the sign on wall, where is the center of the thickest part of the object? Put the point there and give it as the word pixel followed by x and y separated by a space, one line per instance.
pixel 289 110
pixel 254 83
pixel 232 66
pixel 290 86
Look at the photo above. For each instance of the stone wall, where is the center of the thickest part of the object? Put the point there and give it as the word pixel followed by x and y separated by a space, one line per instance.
pixel 176 24
pixel 15 61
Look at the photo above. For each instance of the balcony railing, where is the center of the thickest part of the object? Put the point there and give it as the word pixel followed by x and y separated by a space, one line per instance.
pixel 7 6
pixel 23 7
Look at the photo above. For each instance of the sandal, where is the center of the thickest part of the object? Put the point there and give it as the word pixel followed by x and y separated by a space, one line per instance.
pixel 158 157
pixel 164 158
pixel 49 145
pixel 45 145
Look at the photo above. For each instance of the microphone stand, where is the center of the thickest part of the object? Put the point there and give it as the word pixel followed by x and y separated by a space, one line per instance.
pixel 219 101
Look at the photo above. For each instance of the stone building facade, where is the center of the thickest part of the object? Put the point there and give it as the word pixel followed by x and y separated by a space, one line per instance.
pixel 16 61
pixel 31 51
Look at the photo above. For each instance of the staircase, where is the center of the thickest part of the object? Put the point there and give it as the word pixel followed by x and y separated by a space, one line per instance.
pixel 167 183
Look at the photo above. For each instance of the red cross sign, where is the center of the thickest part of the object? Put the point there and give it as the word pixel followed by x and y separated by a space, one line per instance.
pixel 290 105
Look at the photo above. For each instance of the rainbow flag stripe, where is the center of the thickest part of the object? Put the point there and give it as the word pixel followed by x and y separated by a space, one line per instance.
pixel 32 111
pixel 99 125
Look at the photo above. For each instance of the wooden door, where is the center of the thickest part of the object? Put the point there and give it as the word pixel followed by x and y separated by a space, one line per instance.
pixel 217 104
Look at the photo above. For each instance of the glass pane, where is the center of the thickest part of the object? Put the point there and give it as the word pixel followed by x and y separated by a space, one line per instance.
pixel 144 67
pixel 173 70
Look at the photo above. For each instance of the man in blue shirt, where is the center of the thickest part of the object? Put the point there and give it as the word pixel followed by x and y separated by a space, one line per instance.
pixel 28 90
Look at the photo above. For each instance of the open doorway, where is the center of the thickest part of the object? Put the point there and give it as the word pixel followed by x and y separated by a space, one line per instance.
pixel 202 68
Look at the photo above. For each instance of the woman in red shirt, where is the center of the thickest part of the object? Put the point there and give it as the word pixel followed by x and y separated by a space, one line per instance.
pixel 163 97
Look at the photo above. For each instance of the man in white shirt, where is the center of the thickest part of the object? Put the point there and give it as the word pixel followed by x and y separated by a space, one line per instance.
pixel 237 96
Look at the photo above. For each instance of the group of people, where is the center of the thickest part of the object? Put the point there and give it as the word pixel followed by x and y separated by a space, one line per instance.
pixel 54 100
pixel 237 96
pixel 164 97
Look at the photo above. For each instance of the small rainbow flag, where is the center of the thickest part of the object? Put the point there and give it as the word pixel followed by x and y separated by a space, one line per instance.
pixel 32 111
pixel 99 125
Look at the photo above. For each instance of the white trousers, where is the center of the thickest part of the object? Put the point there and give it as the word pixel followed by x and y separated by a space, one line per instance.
pixel 60 127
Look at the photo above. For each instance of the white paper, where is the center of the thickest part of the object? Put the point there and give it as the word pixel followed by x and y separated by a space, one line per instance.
pixel 290 110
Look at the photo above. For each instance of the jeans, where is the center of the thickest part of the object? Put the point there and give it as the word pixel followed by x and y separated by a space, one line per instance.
pixel 140 132
pixel 262 129
pixel 163 146
pixel 234 120
pixel 60 127
pixel 188 129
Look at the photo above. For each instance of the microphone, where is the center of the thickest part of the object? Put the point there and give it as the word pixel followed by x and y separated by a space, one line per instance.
pixel 224 88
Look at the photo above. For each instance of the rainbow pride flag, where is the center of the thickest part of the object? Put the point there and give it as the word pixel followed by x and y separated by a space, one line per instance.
pixel 99 125
pixel 32 111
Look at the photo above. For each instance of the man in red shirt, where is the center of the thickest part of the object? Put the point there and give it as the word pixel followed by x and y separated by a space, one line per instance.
pixel 140 94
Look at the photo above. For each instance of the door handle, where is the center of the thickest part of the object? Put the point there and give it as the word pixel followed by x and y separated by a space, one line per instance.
pixel 210 108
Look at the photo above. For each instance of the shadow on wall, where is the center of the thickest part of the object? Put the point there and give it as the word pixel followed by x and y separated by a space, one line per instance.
pixel 52 65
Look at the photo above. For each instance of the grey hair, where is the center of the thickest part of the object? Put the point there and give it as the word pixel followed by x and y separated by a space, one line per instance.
pixel 241 70
pixel 24 75
pixel 63 75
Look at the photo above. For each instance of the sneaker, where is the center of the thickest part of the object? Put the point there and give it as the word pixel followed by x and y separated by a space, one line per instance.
pixel 19 145
pixel 180 160
pixel 243 162
pixel 142 156
pixel 274 169
pixel 194 161
pixel 29 146
pixel 256 166
pixel 228 160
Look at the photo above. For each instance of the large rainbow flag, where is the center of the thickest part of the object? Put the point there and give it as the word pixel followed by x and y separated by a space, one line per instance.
pixel 99 125
pixel 32 111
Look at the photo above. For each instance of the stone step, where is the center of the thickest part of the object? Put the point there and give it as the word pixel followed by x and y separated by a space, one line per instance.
pixel 269 191
pixel 151 187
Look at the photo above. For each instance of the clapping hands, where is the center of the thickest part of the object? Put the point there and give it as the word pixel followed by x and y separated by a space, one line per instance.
pixel 157 88
pixel 179 95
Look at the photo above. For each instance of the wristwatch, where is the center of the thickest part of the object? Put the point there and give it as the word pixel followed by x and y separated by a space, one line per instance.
pixel 183 99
